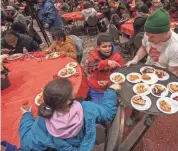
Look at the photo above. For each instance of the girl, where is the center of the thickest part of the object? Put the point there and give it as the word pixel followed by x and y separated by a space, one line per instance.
pixel 63 123
pixel 102 61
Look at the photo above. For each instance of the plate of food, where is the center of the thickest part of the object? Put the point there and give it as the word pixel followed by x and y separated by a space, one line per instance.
pixel 162 75
pixel 141 89
pixel 147 69
pixel 174 98
pixel 71 64
pixel 141 103
pixel 173 87
pixel 39 99
pixel 67 72
pixel 165 105
pixel 14 56
pixel 53 55
pixel 149 78
pixel 117 77
pixel 133 77
pixel 159 90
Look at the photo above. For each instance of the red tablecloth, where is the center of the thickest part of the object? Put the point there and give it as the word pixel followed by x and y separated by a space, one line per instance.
pixel 127 27
pixel 77 16
pixel 27 78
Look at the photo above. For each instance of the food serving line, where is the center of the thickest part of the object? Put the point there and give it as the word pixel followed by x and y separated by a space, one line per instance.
pixel 150 90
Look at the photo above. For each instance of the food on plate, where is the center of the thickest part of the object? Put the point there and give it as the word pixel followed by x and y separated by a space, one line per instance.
pixel 138 100
pixel 63 72
pixel 70 71
pixel 146 77
pixel 14 56
pixel 141 88
pixel 175 98
pixel 148 70
pixel 117 78
pixel 158 89
pixel 53 55
pixel 160 73
pixel 173 87
pixel 67 71
pixel 165 106
pixel 40 98
pixel 72 64
pixel 133 77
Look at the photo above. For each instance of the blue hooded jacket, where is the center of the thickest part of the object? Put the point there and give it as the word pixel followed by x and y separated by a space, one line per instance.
pixel 35 136
pixel 47 13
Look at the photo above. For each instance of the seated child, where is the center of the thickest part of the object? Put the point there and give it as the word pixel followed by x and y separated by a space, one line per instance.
pixel 64 123
pixel 62 44
pixel 102 61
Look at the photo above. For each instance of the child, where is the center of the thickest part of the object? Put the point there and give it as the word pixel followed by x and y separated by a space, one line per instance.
pixel 64 123
pixel 102 61
pixel 62 44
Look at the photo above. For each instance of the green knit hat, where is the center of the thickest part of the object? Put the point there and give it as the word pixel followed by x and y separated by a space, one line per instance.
pixel 158 22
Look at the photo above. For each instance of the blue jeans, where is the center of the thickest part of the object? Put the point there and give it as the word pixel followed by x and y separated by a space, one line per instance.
pixel 96 97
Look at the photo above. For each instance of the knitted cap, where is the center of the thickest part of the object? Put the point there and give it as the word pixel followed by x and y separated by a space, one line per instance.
pixel 158 22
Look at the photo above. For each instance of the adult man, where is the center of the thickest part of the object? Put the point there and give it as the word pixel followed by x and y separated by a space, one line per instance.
pixel 16 42
pixel 159 42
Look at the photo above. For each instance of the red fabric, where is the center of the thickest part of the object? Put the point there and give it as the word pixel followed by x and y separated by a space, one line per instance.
pixel 95 75
pixel 27 78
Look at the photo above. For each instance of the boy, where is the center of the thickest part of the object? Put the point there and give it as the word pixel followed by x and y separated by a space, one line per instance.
pixel 102 61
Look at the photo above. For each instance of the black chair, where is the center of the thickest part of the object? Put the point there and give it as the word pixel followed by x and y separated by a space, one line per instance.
pixel 92 25
pixel 138 40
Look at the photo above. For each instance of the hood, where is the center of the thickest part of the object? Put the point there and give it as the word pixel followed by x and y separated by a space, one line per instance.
pixel 66 125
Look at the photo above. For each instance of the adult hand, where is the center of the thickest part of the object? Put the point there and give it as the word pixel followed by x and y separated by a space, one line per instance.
pixel 131 62
pixel 25 109
pixel 113 64
pixel 46 26
pixel 103 83
pixel 115 86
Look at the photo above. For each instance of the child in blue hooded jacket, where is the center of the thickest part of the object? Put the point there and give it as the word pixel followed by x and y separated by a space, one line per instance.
pixel 64 123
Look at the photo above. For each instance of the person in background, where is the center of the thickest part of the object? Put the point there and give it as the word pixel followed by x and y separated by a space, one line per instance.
pixel 62 44
pixel 155 5
pixel 14 43
pixel 102 61
pixel 123 11
pixel 173 11
pixel 166 4
pixel 78 132
pixel 15 15
pixel 160 43
pixel 88 11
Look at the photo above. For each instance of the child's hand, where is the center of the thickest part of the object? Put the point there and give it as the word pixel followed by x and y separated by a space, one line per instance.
pixel 103 83
pixel 113 64
pixel 26 108
pixel 116 87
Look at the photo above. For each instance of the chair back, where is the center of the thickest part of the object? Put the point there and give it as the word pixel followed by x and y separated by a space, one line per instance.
pixel 92 20
pixel 138 40
pixel 113 31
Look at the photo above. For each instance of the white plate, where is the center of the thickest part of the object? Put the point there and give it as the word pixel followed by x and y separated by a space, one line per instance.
pixel 115 74
pixel 145 93
pixel 166 77
pixel 17 56
pixel 71 65
pixel 174 109
pixel 135 81
pixel 174 101
pixel 163 94
pixel 55 55
pixel 170 88
pixel 67 75
pixel 141 70
pixel 4 56
pixel 142 107
pixel 36 99
pixel 153 80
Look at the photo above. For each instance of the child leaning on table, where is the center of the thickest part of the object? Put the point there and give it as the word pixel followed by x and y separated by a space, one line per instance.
pixel 102 61
pixel 64 123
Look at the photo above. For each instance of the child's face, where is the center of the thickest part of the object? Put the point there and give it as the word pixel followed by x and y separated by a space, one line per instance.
pixel 106 48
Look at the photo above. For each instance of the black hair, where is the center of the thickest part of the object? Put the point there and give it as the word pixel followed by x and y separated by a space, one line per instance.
pixel 103 38
pixel 10 32
pixel 144 9
pixel 58 33
pixel 19 27
pixel 55 95
pixel 87 5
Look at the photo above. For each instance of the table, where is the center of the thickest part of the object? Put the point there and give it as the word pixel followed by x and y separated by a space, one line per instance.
pixel 27 78
pixel 150 115
pixel 127 27
pixel 77 16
